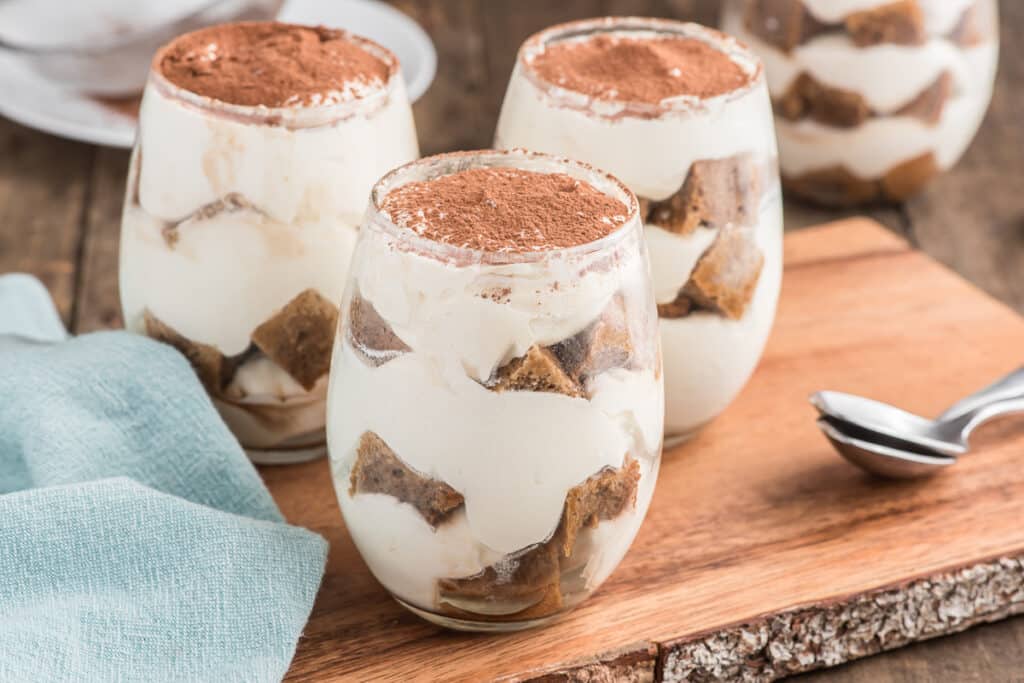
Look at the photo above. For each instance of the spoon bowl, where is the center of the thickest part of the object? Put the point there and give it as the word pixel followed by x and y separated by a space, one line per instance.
pixel 882 419
pixel 891 442
pixel 881 455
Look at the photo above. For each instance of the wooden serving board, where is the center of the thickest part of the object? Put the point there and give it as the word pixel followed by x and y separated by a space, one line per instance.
pixel 763 554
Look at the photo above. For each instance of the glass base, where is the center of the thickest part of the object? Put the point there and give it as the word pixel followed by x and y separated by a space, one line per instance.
pixel 286 456
pixel 473 626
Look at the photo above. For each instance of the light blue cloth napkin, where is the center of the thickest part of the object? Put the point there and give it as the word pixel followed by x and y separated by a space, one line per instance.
pixel 137 542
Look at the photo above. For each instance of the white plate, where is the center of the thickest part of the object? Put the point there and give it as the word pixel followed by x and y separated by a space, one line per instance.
pixel 40 104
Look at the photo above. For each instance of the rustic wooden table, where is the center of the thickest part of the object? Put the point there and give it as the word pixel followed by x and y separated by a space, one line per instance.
pixel 60 205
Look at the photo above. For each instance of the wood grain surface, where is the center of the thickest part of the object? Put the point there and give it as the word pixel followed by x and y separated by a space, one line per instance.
pixel 60 211
pixel 763 554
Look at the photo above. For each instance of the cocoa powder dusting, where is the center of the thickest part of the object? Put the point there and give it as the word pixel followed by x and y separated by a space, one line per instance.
pixel 505 210
pixel 645 70
pixel 272 64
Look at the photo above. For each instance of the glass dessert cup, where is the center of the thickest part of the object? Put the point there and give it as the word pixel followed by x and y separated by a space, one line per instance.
pixel 495 418
pixel 872 98
pixel 238 225
pixel 705 170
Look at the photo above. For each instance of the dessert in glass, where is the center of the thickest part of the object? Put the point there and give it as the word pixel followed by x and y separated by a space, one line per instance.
pixel 681 114
pixel 257 149
pixel 495 409
pixel 873 98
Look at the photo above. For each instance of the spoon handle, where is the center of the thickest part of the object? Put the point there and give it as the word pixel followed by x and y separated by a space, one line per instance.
pixel 1009 387
pixel 990 411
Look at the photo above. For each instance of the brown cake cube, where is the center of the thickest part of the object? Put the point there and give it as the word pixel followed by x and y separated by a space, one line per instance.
pixel 534 575
pixel 213 369
pixel 808 98
pixel 836 186
pixel 681 307
pixel 525 577
pixel 604 496
pixel 299 337
pixel 832 186
pixel 928 105
pixel 604 344
pixel 716 192
pixel 726 274
pixel 377 469
pixel 543 603
pixel 370 335
pixel 782 23
pixel 910 177
pixel 900 22
pixel 537 370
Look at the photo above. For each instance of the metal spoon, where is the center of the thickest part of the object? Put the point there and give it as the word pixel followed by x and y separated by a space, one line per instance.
pixel 903 455
pixel 886 459
pixel 1011 386
pixel 944 435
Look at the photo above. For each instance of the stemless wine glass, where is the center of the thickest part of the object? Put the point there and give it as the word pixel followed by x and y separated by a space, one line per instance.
pixel 872 99
pixel 239 222
pixel 705 170
pixel 495 417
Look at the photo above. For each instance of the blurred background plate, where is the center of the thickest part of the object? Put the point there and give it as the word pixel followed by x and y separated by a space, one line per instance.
pixel 38 103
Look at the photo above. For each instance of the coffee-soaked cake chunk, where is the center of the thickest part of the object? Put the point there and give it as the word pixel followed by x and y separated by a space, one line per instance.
pixel 373 339
pixel 299 337
pixel 538 370
pixel 782 23
pixel 724 279
pixel 377 469
pixel 900 23
pixel 716 192
pixel 213 369
pixel 532 577
pixel 604 344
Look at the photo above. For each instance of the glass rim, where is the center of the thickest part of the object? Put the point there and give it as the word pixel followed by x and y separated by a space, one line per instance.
pixel 285 116
pixel 603 181
pixel 736 50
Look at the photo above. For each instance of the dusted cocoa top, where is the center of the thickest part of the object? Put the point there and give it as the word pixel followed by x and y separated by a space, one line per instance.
pixel 273 64
pixel 505 210
pixel 639 69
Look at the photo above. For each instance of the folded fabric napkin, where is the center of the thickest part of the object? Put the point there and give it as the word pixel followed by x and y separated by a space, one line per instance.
pixel 137 542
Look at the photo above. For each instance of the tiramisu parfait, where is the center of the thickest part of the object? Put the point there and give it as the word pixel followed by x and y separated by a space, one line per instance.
pixel 681 114
pixel 495 409
pixel 872 97
pixel 258 145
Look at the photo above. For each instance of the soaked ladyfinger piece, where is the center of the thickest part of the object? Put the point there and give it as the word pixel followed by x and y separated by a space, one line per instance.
pixel 377 469
pixel 299 337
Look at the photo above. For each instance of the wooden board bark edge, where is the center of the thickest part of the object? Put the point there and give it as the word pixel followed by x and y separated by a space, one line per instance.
pixel 816 636
pixel 829 634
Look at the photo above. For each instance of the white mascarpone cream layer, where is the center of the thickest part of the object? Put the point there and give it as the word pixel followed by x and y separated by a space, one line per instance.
pixel 305 188
pixel 709 358
pixel 408 556
pixel 874 147
pixel 940 16
pixel 227 275
pixel 650 155
pixel 513 455
pixel 191 158
pixel 673 258
pixel 438 308
pixel 834 60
